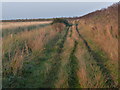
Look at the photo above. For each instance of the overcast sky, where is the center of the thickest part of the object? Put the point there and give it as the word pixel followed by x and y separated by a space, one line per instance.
pixel 19 10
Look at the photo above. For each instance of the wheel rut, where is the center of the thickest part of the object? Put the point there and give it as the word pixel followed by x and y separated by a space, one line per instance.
pixel 109 80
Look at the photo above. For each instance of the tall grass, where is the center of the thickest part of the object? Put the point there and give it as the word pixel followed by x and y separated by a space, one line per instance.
pixel 102 27
pixel 10 25
pixel 24 47
pixel 6 32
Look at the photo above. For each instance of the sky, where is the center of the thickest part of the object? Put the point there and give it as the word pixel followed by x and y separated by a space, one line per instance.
pixel 23 10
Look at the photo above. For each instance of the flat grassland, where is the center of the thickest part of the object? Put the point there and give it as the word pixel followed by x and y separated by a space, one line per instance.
pixel 44 55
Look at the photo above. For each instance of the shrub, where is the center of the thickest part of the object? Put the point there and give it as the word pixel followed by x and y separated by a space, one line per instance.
pixel 61 20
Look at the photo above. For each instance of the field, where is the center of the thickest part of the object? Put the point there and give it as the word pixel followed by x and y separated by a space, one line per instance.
pixel 83 54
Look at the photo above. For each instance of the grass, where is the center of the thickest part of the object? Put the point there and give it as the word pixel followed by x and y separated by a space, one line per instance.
pixel 61 56
pixel 88 72
pixel 34 63
pixel 70 32
pixel 62 80
pixel 110 67
pixel 6 32
pixel 72 79
pixel 100 66
pixel 101 59
pixel 49 82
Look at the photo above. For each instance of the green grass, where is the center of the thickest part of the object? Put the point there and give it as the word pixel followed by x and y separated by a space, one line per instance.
pixel 70 32
pixel 55 65
pixel 73 80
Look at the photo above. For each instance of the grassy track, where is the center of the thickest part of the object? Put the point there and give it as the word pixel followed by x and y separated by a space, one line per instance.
pixel 72 79
pixel 66 60
pixel 49 81
pixel 62 80
pixel 99 61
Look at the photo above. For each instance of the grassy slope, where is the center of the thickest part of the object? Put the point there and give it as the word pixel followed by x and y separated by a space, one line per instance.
pixel 99 39
pixel 102 28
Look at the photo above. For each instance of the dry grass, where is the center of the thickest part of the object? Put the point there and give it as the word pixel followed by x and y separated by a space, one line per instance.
pixel 55 56
pixel 85 65
pixel 100 30
pixel 9 25
pixel 103 38
pixel 24 43
pixel 102 27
